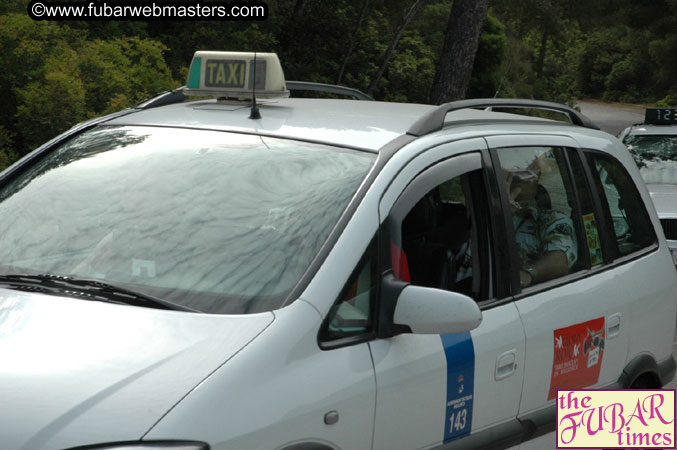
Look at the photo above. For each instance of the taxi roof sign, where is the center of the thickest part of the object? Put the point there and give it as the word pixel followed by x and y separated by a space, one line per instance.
pixel 232 75
pixel 661 116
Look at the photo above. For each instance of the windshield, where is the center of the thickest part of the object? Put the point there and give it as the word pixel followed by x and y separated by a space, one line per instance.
pixel 656 157
pixel 214 221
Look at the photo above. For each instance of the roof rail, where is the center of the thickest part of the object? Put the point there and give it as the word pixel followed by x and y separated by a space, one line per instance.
pixel 178 96
pixel 328 88
pixel 434 120
pixel 164 98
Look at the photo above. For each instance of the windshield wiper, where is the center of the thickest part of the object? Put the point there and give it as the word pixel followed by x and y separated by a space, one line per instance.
pixel 85 288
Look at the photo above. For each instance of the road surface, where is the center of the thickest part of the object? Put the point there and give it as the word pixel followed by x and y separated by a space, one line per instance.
pixel 612 117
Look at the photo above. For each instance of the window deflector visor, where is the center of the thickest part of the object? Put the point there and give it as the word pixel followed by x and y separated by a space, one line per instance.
pixel 445 170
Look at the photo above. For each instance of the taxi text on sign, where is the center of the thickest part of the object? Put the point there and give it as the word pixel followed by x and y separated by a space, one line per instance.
pixel 232 73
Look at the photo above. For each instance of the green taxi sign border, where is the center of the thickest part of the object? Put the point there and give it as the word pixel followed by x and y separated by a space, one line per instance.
pixel 194 73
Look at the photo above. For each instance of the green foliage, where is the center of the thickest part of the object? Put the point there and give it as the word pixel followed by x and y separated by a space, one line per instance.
pixel 13 6
pixel 122 72
pixel 669 101
pixel 431 23
pixel 57 74
pixel 631 58
pixel 53 103
pixel 487 71
pixel 30 54
pixel 55 77
pixel 600 52
pixel 626 81
pixel 411 72
pixel 662 52
pixel 558 80
pixel 620 50
pixel 182 39
pixel 544 48
pixel 7 154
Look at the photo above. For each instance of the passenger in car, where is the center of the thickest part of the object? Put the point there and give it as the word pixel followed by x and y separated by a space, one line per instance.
pixel 546 240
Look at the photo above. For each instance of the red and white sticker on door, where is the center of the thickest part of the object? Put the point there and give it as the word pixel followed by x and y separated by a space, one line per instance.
pixel 578 356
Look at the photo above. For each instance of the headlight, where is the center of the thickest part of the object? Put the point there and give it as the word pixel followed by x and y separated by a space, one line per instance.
pixel 147 445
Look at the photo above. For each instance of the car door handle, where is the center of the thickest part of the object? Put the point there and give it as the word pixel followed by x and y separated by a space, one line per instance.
pixel 613 325
pixel 506 364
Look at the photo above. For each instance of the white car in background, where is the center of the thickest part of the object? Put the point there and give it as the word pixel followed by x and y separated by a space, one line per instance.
pixel 653 145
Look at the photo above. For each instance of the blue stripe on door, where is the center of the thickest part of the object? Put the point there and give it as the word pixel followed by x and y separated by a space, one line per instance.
pixel 460 353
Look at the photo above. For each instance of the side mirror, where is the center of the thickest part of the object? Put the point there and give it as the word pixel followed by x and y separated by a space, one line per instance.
pixel 435 311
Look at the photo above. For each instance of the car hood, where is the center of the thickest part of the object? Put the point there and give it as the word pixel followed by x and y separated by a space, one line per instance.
pixel 76 372
pixel 664 198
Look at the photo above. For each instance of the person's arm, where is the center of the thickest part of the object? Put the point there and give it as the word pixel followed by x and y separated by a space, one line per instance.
pixel 550 265
pixel 559 255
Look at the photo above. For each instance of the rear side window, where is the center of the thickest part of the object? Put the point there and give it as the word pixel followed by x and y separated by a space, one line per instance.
pixel 632 229
pixel 548 235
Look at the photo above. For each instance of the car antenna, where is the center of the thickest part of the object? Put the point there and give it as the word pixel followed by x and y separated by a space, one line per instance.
pixel 254 114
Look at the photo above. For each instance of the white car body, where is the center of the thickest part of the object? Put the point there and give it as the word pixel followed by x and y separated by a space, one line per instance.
pixel 77 373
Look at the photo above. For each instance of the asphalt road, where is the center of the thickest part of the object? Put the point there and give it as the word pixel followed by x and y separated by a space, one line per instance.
pixel 612 118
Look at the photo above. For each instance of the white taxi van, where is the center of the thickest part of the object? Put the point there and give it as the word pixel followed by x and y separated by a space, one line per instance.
pixel 653 145
pixel 301 274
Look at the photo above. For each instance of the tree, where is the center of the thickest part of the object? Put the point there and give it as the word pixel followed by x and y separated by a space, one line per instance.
pixel 57 76
pixel 455 65
pixel 53 103
pixel 486 72
pixel 408 17
pixel 7 153
pixel 13 6
pixel 353 37
pixel 544 42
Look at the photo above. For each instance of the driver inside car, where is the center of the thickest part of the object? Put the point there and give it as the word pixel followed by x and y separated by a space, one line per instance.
pixel 545 237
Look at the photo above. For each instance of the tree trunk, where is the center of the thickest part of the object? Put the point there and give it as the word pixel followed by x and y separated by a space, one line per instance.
pixel 353 37
pixel 462 37
pixel 541 54
pixel 408 17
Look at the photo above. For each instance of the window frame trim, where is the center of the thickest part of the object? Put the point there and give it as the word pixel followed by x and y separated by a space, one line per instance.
pixel 497 226
pixel 579 224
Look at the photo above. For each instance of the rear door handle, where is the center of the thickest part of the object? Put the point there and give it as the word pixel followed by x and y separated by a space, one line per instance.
pixel 506 364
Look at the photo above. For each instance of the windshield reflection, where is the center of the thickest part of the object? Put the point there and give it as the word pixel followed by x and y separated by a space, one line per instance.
pixel 656 157
pixel 218 222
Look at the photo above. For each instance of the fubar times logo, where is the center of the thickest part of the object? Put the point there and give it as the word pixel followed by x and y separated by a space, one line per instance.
pixel 616 419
